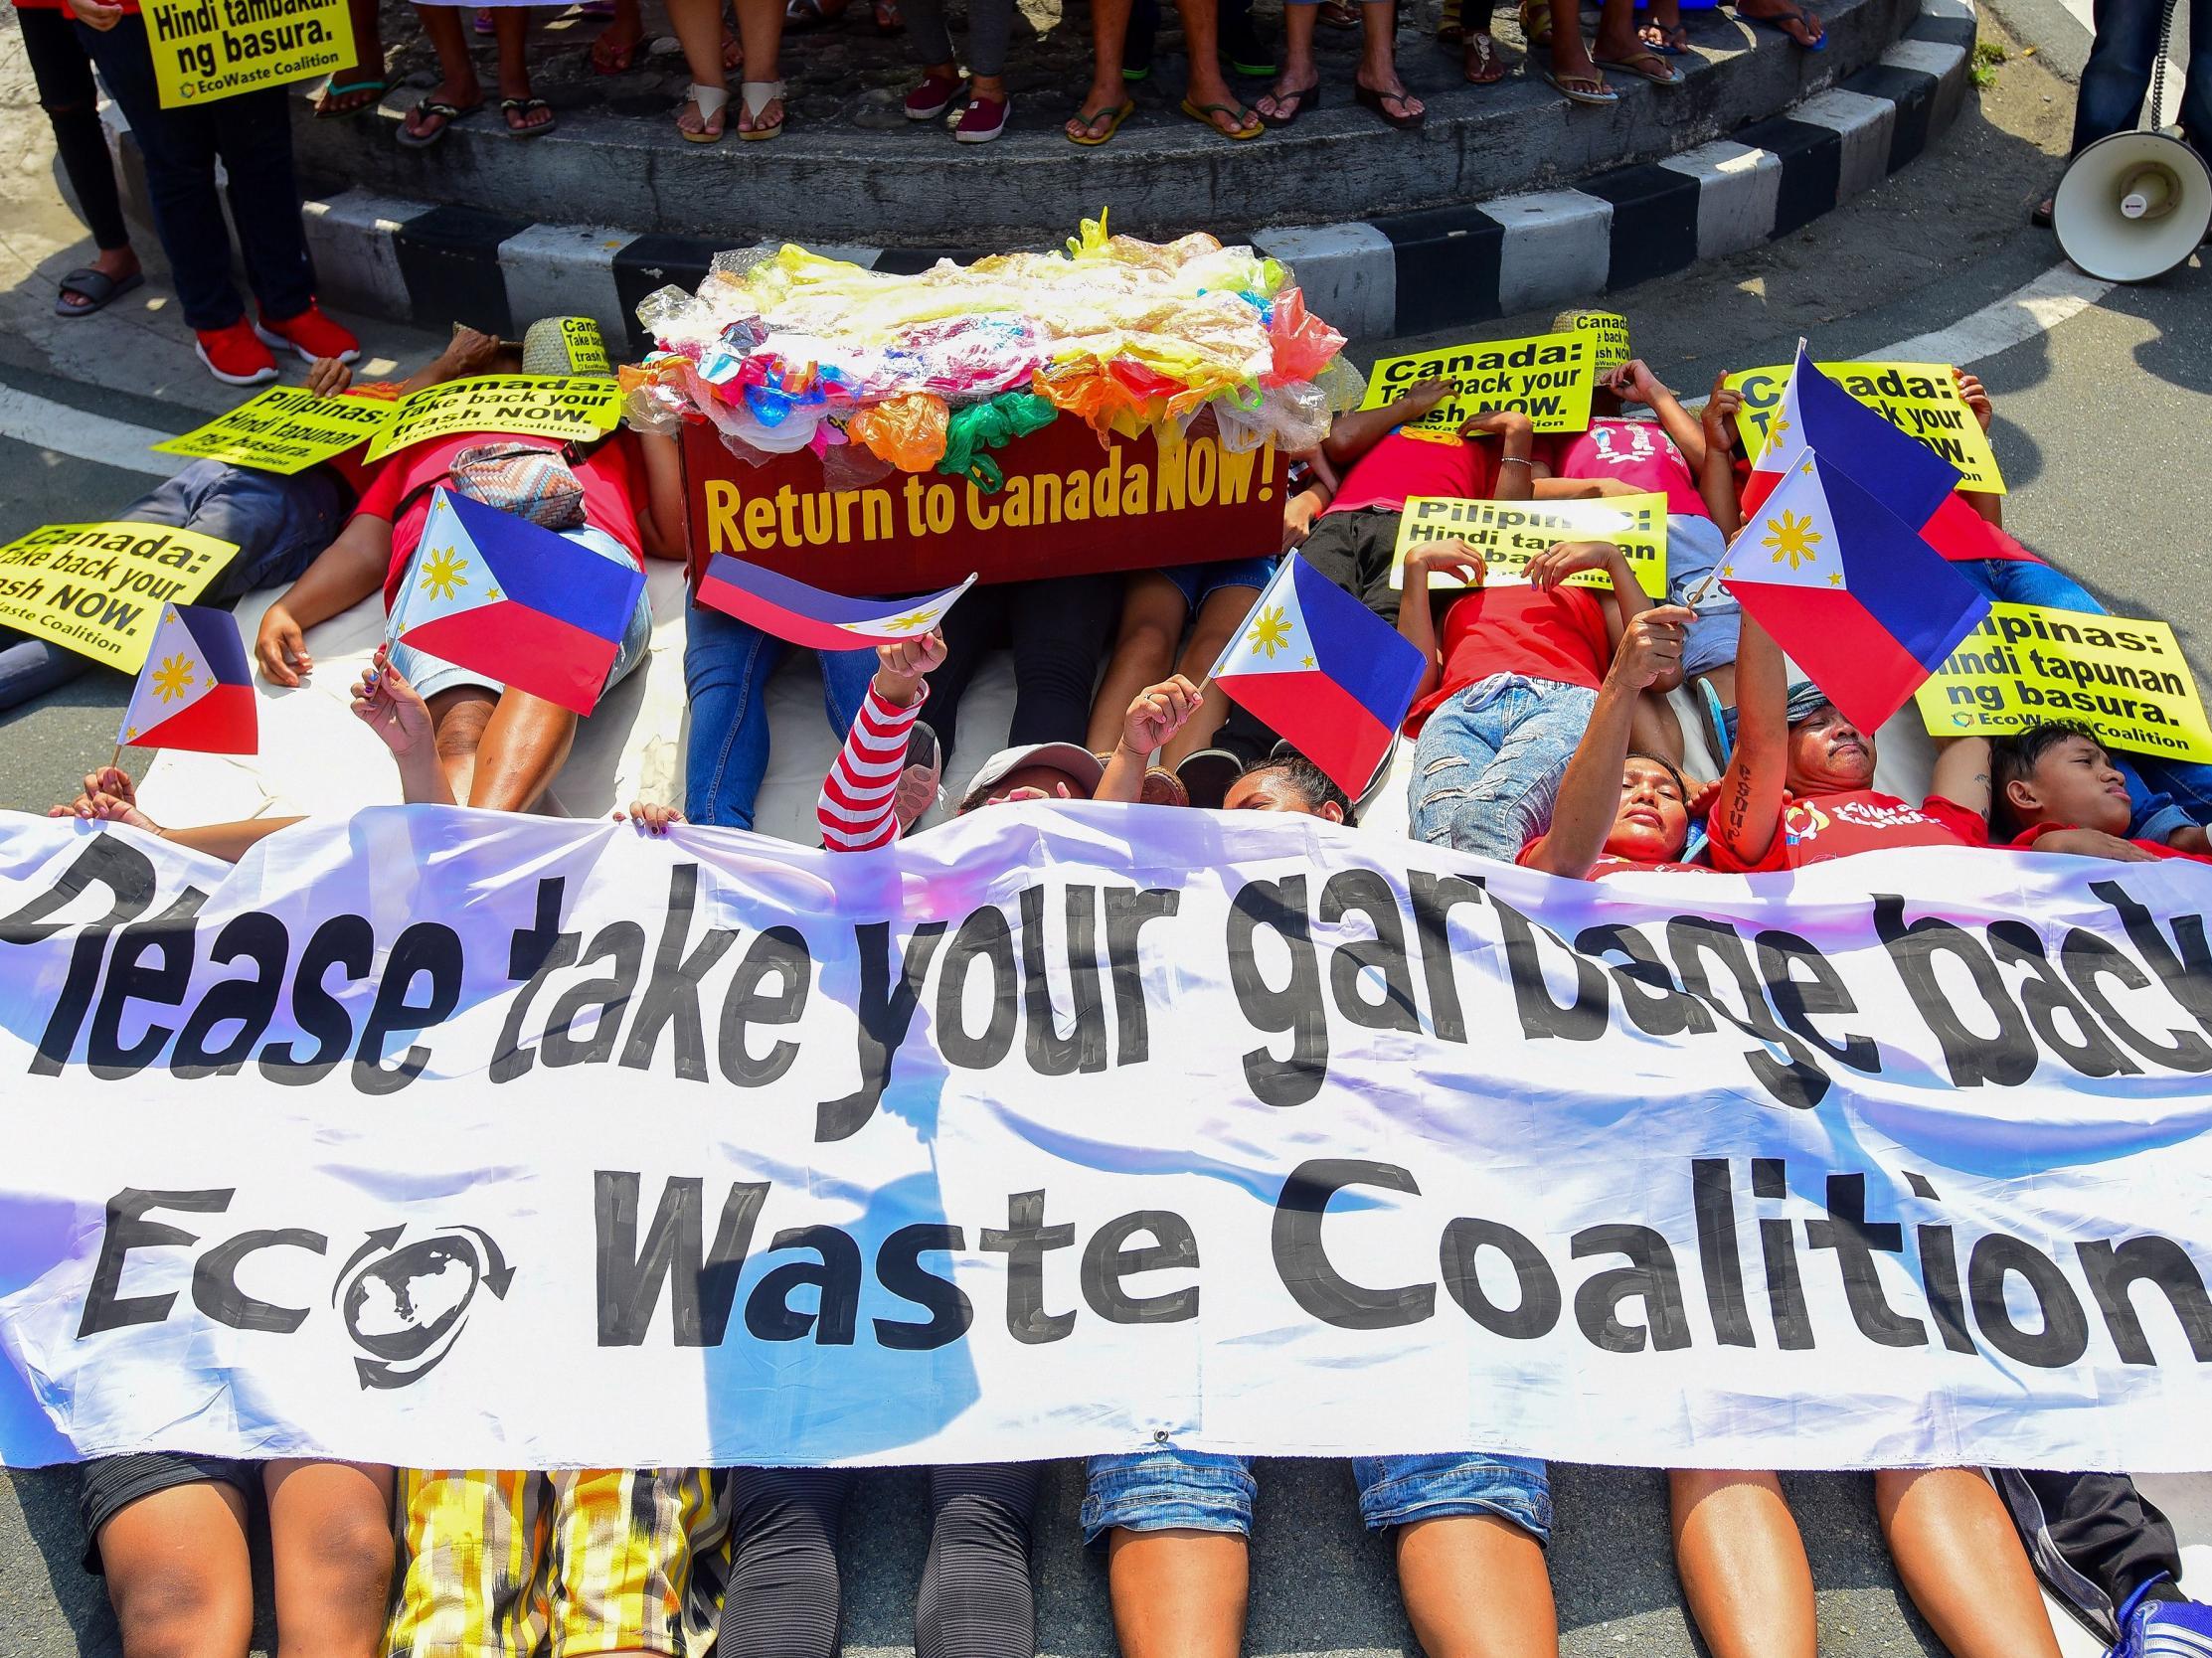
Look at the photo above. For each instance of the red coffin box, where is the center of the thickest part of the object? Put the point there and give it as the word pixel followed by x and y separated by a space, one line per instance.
pixel 1070 505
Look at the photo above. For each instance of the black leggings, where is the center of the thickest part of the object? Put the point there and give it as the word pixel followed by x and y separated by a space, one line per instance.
pixel 976 1600
pixel 1058 627
pixel 64 74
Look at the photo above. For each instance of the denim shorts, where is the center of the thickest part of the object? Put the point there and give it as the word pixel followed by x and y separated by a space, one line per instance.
pixel 1489 763
pixel 1207 1491
pixel 1694 544
pixel 432 674
pixel 1199 583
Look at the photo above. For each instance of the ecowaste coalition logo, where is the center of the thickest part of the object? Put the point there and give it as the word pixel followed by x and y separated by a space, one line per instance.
pixel 405 1304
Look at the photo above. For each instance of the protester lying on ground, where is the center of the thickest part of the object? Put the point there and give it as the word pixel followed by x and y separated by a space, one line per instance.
pixel 1804 792
pixel 250 133
pixel 2111 1557
pixel 1380 467
pixel 1619 809
pixel 1057 628
pixel 168 1531
pixel 1509 685
pixel 1664 455
pixel 1207 98
pixel 2055 789
pixel 1212 600
pixel 500 748
pixel 1286 781
pixel 1375 83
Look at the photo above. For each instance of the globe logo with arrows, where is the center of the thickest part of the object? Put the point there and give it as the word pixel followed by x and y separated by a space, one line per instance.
pixel 405 1305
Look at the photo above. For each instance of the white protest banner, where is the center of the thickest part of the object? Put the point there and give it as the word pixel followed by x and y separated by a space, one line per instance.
pixel 457 1140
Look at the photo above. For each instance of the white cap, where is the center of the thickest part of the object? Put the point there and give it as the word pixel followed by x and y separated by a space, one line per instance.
pixel 1072 758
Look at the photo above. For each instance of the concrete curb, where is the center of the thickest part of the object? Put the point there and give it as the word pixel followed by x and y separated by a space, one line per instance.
pixel 1397 274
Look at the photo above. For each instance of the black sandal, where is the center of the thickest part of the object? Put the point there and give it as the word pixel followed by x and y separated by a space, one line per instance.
pixel 446 113
pixel 509 106
pixel 1304 98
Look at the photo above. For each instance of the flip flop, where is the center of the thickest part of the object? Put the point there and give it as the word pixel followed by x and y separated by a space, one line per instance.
pixel 446 113
pixel 1114 117
pixel 1367 98
pixel 1479 62
pixel 609 59
pixel 1779 23
pixel 1667 76
pixel 528 106
pixel 755 96
pixel 806 16
pixel 712 100
pixel 1581 89
pixel 1308 97
pixel 331 89
pixel 1249 125
pixel 1674 41
pixel 97 287
pixel 1337 14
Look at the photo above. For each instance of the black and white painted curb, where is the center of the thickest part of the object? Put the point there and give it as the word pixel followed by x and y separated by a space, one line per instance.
pixel 1407 273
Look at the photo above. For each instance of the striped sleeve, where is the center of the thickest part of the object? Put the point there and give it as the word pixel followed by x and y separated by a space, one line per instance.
pixel 855 807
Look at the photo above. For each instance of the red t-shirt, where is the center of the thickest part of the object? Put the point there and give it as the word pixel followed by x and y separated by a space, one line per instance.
pixel 1607 864
pixel 2025 840
pixel 1557 635
pixel 1826 826
pixel 1637 452
pixel 1409 463
pixel 610 475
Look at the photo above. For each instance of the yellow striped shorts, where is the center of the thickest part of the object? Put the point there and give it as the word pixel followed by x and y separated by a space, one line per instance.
pixel 498 1565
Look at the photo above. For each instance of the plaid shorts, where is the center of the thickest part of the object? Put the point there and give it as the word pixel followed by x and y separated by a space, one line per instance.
pixel 499 1565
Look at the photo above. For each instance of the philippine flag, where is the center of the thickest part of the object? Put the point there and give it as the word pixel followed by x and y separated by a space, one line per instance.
pixel 1325 671
pixel 788 609
pixel 1848 590
pixel 194 691
pixel 496 594
pixel 1817 414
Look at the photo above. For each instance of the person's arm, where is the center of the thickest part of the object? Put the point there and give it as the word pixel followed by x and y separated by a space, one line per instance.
pixel 1352 436
pixel 857 808
pixel 2090 843
pixel 1156 715
pixel 468 352
pixel 1962 773
pixel 1571 558
pixel 1417 619
pixel 1549 488
pixel 1747 805
pixel 226 841
pixel 1977 395
pixel 1589 792
pixel 394 710
pixel 1716 471
pixel 346 571
pixel 1516 470
pixel 1635 379
pixel 661 524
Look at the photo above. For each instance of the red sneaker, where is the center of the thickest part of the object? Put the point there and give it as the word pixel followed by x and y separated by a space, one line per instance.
pixel 311 333
pixel 982 120
pixel 932 98
pixel 235 356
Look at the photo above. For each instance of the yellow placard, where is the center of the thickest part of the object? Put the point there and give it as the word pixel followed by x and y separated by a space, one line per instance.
pixel 2125 679
pixel 1511 533
pixel 203 49
pixel 1609 331
pixel 287 428
pixel 537 406
pixel 1921 399
pixel 98 588
pixel 1547 376
pixel 585 345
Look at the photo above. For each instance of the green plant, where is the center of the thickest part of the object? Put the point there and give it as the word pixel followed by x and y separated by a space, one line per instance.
pixel 1988 56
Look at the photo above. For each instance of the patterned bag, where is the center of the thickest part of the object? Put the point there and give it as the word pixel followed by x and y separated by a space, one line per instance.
pixel 536 484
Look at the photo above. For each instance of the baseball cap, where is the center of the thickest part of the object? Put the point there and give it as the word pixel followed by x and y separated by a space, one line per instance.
pixel 564 346
pixel 1072 758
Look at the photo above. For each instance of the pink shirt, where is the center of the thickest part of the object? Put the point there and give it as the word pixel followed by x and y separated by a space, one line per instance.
pixel 1637 452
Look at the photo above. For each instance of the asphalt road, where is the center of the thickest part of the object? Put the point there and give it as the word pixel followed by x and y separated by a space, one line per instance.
pixel 2103 423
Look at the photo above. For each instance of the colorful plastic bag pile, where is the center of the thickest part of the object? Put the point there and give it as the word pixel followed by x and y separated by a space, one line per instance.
pixel 790 349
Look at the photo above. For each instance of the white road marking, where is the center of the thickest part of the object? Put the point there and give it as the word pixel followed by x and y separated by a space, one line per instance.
pixel 2035 308
pixel 71 431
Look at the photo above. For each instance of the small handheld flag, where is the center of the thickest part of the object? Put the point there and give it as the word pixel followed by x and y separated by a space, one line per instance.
pixel 1848 590
pixel 1817 414
pixel 804 615
pixel 496 594
pixel 194 691
pixel 1325 671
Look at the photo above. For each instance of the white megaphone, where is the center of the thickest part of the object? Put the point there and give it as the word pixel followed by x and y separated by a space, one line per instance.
pixel 2132 205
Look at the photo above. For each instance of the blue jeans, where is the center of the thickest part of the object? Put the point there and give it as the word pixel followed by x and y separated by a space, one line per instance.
pixel 727 667
pixel 1694 544
pixel 1487 767
pixel 2167 794
pixel 250 133
pixel 2118 74
pixel 279 524
pixel 1207 1491
pixel 1199 583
